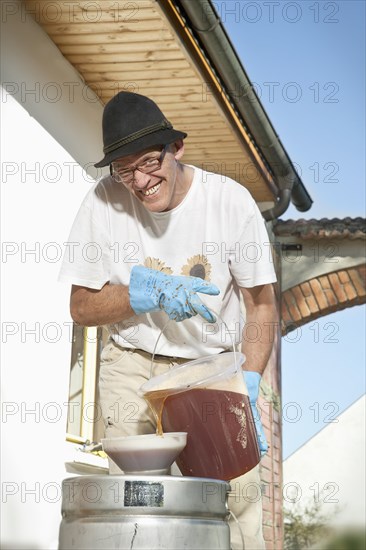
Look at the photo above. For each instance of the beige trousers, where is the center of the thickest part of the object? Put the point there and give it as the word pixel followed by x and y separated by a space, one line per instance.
pixel 122 372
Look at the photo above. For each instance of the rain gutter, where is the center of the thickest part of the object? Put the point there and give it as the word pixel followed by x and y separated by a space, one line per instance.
pixel 208 29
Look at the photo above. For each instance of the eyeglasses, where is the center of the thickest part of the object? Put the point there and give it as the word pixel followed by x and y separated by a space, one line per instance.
pixel 127 175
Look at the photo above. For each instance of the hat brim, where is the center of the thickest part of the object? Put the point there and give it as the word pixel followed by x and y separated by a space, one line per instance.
pixel 163 137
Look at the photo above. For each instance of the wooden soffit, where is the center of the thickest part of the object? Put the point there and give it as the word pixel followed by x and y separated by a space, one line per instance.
pixel 123 45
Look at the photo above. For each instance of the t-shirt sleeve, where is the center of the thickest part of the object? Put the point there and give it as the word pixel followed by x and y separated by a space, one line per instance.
pixel 86 260
pixel 251 262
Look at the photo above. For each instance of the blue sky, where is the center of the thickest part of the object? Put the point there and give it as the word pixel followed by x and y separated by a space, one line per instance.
pixel 314 53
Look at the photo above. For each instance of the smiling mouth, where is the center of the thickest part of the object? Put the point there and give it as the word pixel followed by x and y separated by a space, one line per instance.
pixel 151 191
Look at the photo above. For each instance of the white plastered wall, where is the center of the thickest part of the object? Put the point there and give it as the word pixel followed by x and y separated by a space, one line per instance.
pixel 322 470
pixel 42 188
pixel 317 258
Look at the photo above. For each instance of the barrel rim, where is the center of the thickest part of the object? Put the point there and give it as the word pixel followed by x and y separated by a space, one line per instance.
pixel 121 477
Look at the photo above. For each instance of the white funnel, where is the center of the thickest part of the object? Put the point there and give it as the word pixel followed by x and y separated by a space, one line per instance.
pixel 145 454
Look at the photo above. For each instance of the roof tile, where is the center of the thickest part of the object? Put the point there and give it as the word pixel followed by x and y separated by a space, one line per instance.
pixel 347 228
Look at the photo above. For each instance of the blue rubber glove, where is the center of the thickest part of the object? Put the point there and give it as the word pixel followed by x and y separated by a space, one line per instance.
pixel 252 381
pixel 153 290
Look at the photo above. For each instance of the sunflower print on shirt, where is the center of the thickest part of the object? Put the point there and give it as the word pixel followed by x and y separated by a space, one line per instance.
pixel 197 266
pixel 155 263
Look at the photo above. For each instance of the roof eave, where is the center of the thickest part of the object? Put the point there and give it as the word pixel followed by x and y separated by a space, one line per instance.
pixel 207 27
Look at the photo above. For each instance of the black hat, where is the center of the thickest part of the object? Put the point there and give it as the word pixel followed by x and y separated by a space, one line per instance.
pixel 132 123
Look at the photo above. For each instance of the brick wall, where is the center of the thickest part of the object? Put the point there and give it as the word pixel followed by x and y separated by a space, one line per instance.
pixel 271 464
pixel 299 305
pixel 323 295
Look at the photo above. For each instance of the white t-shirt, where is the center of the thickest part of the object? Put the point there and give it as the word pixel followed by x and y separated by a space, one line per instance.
pixel 216 233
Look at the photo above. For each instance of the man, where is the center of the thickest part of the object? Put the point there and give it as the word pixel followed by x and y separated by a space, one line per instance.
pixel 170 241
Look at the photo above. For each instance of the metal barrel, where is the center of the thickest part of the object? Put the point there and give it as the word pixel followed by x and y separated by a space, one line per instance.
pixel 144 512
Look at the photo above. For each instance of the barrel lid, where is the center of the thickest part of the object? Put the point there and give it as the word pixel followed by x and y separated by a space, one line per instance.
pixel 119 495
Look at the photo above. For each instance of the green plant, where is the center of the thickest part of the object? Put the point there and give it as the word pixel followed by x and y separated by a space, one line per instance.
pixel 305 527
pixel 348 540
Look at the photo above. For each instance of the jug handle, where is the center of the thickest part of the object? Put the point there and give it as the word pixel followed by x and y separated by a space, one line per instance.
pixel 166 324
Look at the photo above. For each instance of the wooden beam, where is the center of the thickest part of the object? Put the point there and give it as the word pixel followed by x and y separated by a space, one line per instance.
pixel 137 66
pixel 128 27
pixel 138 75
pixel 123 56
pixel 95 37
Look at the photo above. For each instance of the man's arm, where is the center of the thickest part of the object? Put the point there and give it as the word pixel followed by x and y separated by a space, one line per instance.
pixel 149 290
pixel 258 334
pixel 106 306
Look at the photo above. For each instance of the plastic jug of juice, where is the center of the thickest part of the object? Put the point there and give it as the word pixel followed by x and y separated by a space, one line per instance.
pixel 208 399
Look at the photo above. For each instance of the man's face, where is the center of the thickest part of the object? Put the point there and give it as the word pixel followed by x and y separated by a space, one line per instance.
pixel 159 190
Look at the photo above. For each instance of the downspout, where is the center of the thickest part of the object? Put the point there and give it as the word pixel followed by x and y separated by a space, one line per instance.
pixel 207 25
pixel 283 200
